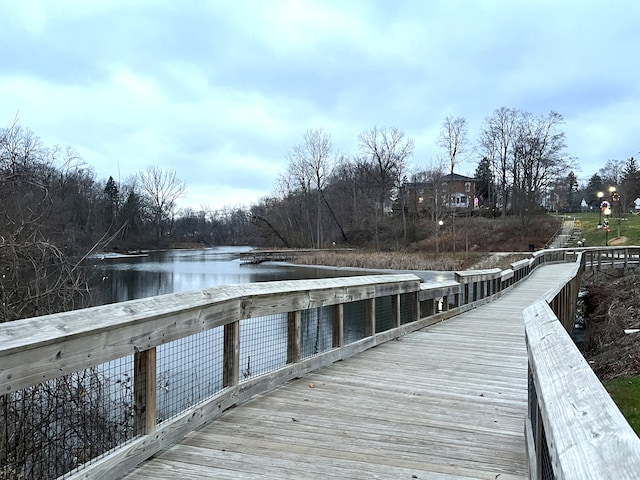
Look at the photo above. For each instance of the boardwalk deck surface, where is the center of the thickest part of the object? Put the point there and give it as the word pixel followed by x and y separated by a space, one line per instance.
pixel 445 402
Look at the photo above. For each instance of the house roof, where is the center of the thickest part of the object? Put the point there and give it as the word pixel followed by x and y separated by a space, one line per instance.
pixel 454 177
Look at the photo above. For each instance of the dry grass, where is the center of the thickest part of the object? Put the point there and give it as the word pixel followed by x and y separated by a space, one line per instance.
pixel 406 260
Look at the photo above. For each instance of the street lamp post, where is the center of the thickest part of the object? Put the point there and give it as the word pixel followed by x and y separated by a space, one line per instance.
pixel 607 212
pixel 614 197
pixel 600 195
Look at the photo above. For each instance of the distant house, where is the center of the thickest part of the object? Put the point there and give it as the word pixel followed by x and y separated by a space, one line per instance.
pixel 459 190
pixel 451 192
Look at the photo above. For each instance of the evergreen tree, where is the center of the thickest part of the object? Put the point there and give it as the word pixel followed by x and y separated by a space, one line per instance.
pixel 485 186
pixel 112 201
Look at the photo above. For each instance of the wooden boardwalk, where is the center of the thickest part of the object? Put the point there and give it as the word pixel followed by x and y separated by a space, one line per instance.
pixel 445 402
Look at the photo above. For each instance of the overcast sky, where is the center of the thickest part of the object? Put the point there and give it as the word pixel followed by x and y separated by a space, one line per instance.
pixel 220 91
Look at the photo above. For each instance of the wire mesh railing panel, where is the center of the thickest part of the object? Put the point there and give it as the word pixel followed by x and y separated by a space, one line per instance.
pixel 317 331
pixel 355 317
pixel 546 468
pixel 452 302
pixel 189 370
pixel 54 428
pixel 263 345
pixel 408 307
pixel 384 314
pixel 426 308
pixel 533 406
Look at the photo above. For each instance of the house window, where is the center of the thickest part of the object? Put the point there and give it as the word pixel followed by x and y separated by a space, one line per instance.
pixel 467 187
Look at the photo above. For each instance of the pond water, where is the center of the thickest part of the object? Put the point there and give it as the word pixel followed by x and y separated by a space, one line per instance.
pixel 129 277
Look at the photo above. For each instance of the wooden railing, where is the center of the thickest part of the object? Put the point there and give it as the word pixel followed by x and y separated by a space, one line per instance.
pixel 135 369
pixel 111 367
pixel 573 429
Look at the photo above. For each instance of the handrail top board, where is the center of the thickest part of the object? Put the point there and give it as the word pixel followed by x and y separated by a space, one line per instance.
pixel 587 425
pixel 43 330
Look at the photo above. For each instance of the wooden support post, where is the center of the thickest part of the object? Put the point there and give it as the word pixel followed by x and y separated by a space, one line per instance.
pixel 144 391
pixel 294 336
pixel 231 361
pixel 370 317
pixel 395 310
pixel 416 300
pixel 338 325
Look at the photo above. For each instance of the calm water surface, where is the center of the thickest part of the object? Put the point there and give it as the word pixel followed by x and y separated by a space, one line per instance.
pixel 129 277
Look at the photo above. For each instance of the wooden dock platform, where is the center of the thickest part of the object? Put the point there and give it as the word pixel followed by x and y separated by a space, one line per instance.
pixel 446 402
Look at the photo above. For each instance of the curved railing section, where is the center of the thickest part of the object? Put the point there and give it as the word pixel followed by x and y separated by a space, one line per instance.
pixel 573 428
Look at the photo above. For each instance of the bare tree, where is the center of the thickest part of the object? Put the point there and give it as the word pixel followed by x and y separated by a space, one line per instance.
pixel 453 138
pixel 436 195
pixel 163 188
pixel 538 160
pixel 387 151
pixel 48 429
pixel 612 172
pixel 496 141
pixel 314 162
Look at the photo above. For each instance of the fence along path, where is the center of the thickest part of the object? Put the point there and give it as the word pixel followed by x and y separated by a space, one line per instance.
pixel 445 402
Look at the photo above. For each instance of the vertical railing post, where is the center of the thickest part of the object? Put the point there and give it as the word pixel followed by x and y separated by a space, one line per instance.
pixel 144 391
pixel 395 310
pixel 293 337
pixel 231 355
pixel 338 325
pixel 370 317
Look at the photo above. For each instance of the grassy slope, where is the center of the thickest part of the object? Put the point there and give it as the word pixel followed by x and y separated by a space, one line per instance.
pixel 625 391
pixel 624 231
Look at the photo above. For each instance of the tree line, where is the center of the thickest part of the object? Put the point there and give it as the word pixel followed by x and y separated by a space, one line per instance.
pixel 361 198
pixel 54 213
pixel 54 209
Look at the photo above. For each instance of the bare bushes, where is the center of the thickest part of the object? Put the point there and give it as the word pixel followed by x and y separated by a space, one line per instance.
pixel 612 307
pixel 382 260
pixel 37 279
pixel 52 428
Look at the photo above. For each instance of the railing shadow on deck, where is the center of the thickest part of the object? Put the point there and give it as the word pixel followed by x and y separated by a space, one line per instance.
pixel 92 393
